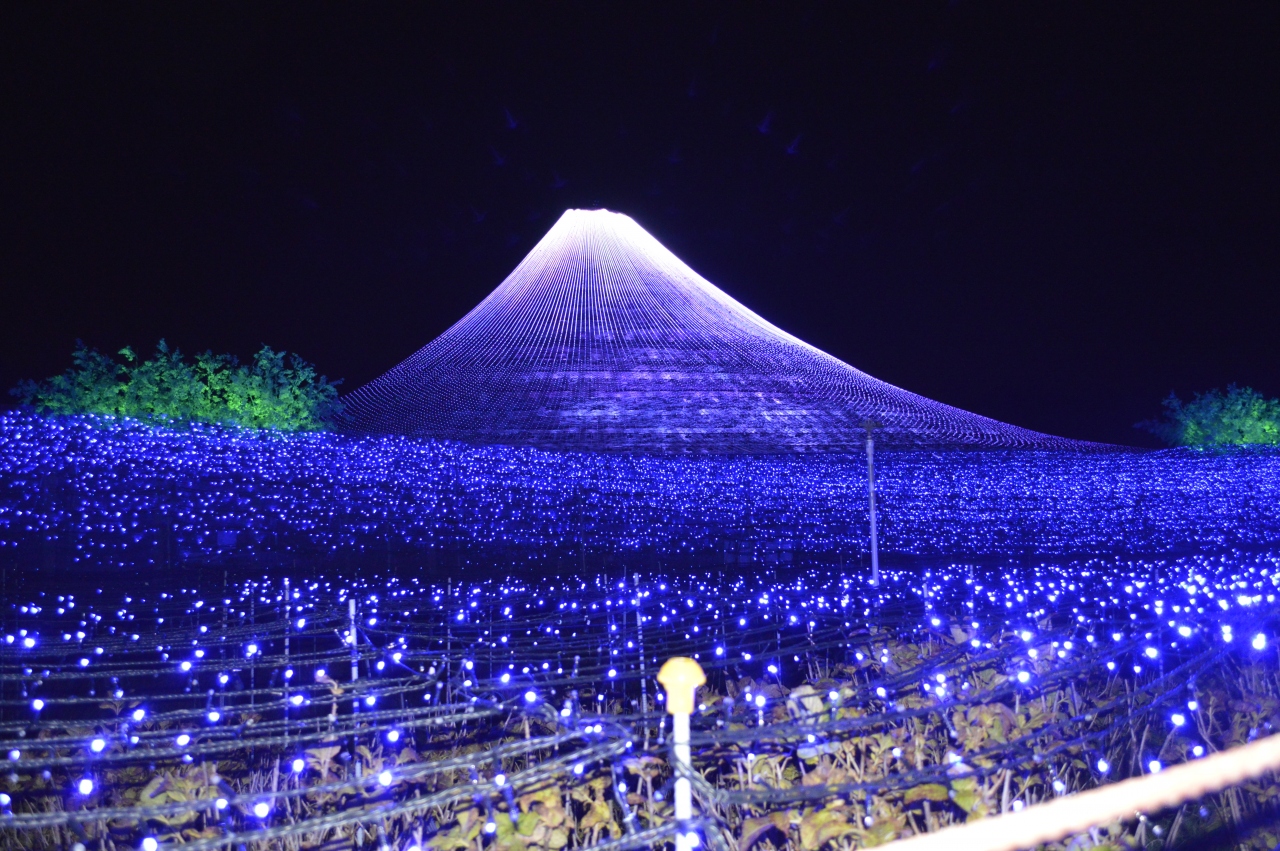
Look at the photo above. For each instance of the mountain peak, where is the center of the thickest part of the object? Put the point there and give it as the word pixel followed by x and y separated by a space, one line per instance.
pixel 603 340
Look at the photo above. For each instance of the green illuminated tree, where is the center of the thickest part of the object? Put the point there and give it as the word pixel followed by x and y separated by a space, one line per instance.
pixel 276 390
pixel 1235 417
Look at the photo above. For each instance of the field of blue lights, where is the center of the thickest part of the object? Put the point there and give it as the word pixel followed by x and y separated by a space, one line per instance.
pixel 1055 622
pixel 152 717
pixel 124 492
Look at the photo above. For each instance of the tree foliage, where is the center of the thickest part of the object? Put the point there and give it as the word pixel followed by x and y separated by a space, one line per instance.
pixel 275 390
pixel 1235 417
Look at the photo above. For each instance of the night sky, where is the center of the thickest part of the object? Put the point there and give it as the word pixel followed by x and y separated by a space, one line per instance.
pixel 1051 215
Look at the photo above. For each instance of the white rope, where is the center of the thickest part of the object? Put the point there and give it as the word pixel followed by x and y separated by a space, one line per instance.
pixel 1077 813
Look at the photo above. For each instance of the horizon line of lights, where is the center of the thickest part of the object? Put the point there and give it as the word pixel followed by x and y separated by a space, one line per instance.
pixel 109 489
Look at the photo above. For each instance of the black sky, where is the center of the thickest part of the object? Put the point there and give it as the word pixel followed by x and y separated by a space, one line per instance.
pixel 1052 214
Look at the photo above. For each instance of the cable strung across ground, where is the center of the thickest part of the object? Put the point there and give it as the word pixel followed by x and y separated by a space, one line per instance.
pixel 390 711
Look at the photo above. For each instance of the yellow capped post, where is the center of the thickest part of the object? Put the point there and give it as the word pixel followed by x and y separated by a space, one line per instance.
pixel 681 676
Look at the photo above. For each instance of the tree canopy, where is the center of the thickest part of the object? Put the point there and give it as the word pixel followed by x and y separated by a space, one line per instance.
pixel 1236 416
pixel 275 390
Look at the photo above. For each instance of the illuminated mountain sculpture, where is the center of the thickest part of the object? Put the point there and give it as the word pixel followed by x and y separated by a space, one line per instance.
pixel 603 340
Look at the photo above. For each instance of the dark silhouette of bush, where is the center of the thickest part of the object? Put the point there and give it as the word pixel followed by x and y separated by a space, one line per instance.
pixel 1238 416
pixel 276 390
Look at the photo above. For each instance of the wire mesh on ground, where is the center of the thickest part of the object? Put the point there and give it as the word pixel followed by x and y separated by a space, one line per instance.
pixel 524 714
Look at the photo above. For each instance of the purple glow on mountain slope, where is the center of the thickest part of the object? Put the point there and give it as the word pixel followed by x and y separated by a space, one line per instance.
pixel 603 340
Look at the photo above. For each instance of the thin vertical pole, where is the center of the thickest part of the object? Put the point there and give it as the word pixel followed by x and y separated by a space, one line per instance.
pixel 644 686
pixel 351 637
pixel 871 496
pixel 448 647
pixel 253 659
pixel 355 675
pixel 222 652
pixel 287 628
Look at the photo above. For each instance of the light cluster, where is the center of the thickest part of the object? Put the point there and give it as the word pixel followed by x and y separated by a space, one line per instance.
pixel 116 490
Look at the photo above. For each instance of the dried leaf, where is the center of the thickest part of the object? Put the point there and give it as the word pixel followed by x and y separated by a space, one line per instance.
pixel 927 792
pixel 823 826
pixel 753 829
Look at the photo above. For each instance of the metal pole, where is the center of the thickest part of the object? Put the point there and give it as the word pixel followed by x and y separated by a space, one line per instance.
pixel 287 613
pixel 871 495
pixel 253 663
pixel 355 675
pixel 644 686
pixel 351 637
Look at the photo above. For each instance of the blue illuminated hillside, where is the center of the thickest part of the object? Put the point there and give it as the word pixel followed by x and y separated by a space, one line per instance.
pixel 603 340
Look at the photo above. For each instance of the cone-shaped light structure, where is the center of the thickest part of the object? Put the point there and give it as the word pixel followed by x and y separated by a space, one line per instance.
pixel 603 340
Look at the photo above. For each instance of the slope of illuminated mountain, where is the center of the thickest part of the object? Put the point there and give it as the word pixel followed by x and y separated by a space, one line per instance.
pixel 603 340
